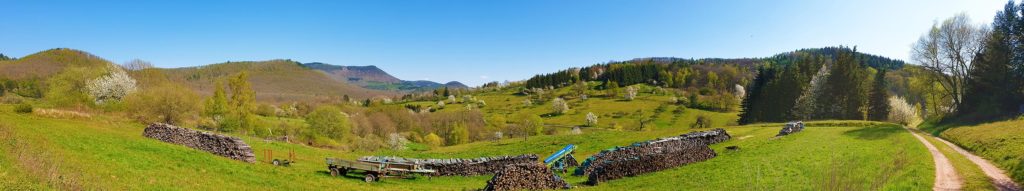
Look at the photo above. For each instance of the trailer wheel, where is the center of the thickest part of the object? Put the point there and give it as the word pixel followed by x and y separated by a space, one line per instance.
pixel 370 177
pixel 277 162
pixel 334 172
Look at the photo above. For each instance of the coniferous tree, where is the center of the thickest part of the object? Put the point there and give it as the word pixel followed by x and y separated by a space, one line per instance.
pixel 879 102
pixel 753 106
pixel 994 89
pixel 846 92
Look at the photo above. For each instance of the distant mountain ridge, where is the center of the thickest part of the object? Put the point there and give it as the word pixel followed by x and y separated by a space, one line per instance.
pixel 372 77
pixel 354 74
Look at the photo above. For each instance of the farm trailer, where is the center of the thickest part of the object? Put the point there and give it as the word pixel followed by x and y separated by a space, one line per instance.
pixel 375 170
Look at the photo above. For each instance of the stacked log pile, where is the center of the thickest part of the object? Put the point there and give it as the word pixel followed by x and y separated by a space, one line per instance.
pixel 790 128
pixel 690 151
pixel 531 176
pixel 695 142
pixel 226 146
pixel 462 167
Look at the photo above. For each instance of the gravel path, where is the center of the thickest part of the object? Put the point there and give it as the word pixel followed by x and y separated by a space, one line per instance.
pixel 946 177
pixel 998 177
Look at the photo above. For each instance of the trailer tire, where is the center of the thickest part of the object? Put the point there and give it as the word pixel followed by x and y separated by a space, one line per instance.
pixel 334 172
pixel 277 162
pixel 370 177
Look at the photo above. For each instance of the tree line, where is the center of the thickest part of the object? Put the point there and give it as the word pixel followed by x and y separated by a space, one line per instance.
pixel 979 68
pixel 808 85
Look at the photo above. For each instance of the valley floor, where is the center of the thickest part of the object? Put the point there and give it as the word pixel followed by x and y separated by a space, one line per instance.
pixel 109 153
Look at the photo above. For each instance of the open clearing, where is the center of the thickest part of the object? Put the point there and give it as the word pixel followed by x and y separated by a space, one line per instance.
pixel 110 153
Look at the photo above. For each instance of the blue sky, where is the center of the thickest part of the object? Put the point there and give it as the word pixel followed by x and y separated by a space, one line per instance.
pixel 468 41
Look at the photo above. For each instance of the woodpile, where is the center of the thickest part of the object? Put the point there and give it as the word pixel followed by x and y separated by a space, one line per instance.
pixel 660 159
pixel 531 176
pixel 461 167
pixel 790 128
pixel 226 146
pixel 694 142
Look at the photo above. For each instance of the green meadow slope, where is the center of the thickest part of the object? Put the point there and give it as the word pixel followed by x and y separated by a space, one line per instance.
pixel 109 153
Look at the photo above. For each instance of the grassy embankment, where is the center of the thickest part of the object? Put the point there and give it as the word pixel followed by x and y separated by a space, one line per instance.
pixel 1000 142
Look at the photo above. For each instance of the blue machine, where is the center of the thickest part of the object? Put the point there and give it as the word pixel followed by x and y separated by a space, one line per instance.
pixel 562 159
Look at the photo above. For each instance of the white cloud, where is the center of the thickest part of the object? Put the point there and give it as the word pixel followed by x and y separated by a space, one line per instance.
pixel 484 77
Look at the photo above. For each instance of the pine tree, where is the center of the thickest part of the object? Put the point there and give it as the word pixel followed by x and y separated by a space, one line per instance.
pixel 752 106
pixel 846 91
pixel 879 102
pixel 993 89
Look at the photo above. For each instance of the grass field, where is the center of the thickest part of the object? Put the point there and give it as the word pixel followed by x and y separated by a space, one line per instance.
pixel 999 142
pixel 109 153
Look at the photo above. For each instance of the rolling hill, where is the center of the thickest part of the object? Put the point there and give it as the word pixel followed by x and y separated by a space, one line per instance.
pixel 274 81
pixel 48 63
pixel 374 78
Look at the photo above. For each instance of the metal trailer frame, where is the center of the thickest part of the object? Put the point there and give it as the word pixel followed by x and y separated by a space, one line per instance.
pixel 374 171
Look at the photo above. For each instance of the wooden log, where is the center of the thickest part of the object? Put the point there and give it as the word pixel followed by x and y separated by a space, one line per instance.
pixel 226 146
pixel 531 176
pixel 679 143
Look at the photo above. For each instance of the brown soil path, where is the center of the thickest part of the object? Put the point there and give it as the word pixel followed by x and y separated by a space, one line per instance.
pixel 946 177
pixel 998 177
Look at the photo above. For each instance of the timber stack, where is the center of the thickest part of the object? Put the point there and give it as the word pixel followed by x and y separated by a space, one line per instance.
pixel 226 146
pixel 531 176
pixel 693 143
pixel 463 167
pixel 687 151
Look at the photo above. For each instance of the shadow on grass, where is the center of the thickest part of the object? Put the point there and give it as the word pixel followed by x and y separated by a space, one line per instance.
pixel 874 132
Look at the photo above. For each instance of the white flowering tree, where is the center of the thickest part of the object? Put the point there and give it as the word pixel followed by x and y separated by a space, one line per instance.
pixel 591 119
pixel 902 112
pixel 740 92
pixel 451 98
pixel 440 104
pixel 397 141
pixel 630 93
pixel 559 106
pixel 113 86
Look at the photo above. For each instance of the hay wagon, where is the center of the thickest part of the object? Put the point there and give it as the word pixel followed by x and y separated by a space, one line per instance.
pixel 374 170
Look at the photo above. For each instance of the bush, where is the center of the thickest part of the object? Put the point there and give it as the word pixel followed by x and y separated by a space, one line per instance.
pixel 266 110
pixel 702 122
pixel 167 103
pixel 23 107
pixel 69 88
pixel 459 134
pixel 433 140
pixel 329 121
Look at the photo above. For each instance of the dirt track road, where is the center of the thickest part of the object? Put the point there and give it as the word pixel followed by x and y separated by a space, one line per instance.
pixel 998 177
pixel 946 177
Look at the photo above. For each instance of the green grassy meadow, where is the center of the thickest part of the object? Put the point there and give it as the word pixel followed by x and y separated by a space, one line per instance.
pixel 109 153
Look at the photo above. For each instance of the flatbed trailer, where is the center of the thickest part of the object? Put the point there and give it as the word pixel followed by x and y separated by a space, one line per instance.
pixel 375 170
